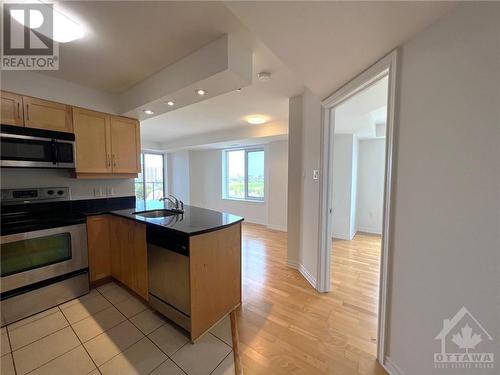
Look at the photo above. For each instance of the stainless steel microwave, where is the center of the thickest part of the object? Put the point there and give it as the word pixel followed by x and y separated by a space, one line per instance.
pixel 36 148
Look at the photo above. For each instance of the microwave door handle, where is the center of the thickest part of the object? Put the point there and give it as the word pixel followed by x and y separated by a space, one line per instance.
pixel 55 155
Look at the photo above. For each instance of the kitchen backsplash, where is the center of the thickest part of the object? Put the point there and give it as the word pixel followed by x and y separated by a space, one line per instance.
pixel 80 189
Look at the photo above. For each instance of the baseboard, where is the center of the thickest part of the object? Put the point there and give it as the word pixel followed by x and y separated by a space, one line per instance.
pixel 341 236
pixel 391 367
pixel 281 228
pixel 369 230
pixel 307 276
pixel 292 264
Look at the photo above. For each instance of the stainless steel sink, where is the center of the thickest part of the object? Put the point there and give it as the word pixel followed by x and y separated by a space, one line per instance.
pixel 158 213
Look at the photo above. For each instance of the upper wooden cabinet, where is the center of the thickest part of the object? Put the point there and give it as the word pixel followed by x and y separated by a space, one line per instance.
pixel 44 114
pixel 93 143
pixel 125 145
pixel 12 109
pixel 105 144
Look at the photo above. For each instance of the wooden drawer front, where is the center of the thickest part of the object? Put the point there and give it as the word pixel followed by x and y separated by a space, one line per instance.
pixel 92 141
pixel 125 145
pixel 43 114
pixel 12 112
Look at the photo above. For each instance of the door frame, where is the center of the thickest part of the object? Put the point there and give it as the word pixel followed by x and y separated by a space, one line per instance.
pixel 384 67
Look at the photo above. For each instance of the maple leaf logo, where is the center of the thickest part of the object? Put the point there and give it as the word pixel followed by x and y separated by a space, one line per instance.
pixel 465 339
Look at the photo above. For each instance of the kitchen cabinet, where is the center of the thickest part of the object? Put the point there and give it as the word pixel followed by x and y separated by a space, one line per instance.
pixel 125 145
pixel 12 109
pixel 106 146
pixel 98 243
pixel 129 254
pixel 93 141
pixel 44 114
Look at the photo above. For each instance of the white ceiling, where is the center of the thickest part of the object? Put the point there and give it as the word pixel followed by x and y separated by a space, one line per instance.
pixel 127 41
pixel 327 43
pixel 360 113
pixel 269 99
pixel 319 44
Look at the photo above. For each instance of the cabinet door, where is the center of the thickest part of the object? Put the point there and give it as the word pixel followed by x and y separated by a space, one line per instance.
pixel 125 145
pixel 99 247
pixel 140 260
pixel 115 236
pixel 12 111
pixel 93 143
pixel 44 114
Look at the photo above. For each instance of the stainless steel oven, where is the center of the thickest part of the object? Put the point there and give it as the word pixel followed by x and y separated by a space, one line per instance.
pixel 43 254
pixel 36 148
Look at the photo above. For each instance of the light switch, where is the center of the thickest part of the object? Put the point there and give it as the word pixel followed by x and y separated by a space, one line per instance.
pixel 315 174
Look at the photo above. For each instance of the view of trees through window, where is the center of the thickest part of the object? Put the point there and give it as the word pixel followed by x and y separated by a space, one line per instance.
pixel 244 174
pixel 149 184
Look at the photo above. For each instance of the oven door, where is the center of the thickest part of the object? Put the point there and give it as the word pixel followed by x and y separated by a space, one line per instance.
pixel 30 257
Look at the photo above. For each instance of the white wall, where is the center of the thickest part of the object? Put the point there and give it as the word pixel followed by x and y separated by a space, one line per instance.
pixel 344 186
pixel 446 245
pixel 178 175
pixel 46 87
pixel 277 192
pixel 305 148
pixel 370 195
pixel 206 186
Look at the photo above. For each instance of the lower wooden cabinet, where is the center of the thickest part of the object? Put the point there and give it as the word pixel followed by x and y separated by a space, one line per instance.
pixel 117 247
pixel 129 262
pixel 98 247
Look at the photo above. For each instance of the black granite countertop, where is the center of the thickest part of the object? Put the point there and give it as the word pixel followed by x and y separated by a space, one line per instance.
pixel 194 220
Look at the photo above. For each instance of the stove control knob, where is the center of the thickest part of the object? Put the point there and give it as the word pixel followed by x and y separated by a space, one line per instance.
pixel 50 192
pixel 60 192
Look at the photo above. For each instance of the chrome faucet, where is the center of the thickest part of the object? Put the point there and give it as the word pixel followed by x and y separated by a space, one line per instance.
pixel 179 205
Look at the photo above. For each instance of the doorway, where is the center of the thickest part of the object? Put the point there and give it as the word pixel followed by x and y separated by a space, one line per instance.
pixel 360 209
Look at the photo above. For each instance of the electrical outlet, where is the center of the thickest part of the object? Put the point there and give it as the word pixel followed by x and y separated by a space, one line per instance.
pixel 110 191
pixel 315 174
pixel 98 192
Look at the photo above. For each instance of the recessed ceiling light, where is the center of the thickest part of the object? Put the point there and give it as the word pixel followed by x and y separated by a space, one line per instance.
pixel 238 90
pixel 148 112
pixel 201 92
pixel 256 119
pixel 264 76
pixel 170 103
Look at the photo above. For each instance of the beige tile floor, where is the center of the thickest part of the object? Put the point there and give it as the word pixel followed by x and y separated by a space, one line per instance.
pixel 109 331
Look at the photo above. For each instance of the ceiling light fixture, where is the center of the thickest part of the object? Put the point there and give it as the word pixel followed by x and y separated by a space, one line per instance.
pixel 264 76
pixel 256 119
pixel 148 112
pixel 64 28
pixel 171 103
pixel 238 90
pixel 201 92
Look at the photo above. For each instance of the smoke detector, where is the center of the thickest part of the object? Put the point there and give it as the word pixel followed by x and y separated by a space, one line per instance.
pixel 264 76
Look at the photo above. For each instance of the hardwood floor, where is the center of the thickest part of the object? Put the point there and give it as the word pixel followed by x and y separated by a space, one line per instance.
pixel 286 327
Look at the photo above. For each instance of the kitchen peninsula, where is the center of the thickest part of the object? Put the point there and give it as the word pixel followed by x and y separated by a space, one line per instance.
pixel 186 265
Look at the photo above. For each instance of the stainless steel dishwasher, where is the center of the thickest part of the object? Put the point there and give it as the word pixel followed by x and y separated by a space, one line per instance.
pixel 168 269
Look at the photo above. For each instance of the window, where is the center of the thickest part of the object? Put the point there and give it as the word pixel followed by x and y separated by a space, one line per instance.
pixel 243 174
pixel 149 184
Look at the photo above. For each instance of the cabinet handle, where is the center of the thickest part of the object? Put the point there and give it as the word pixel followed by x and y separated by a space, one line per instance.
pixel 28 111
pixel 18 111
pixel 114 160
pixel 108 162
